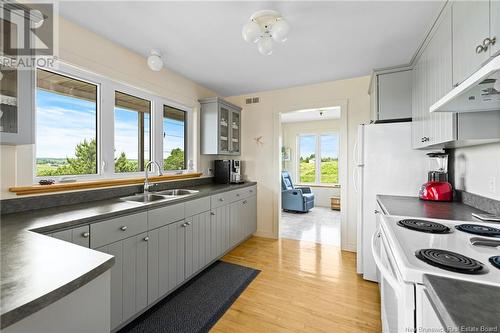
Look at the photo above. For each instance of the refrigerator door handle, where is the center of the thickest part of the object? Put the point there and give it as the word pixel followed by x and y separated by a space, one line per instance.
pixel 355 179
pixel 355 153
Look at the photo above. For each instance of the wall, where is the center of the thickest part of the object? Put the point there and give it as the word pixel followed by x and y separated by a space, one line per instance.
pixel 258 157
pixel 290 131
pixel 477 170
pixel 92 52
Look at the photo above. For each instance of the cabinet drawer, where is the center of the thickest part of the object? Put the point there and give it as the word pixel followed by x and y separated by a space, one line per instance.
pixel 248 191
pixel 221 199
pixel 110 231
pixel 165 215
pixel 81 236
pixel 197 206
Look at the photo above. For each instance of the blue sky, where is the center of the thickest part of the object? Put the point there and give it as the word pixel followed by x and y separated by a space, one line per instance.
pixel 329 145
pixel 63 122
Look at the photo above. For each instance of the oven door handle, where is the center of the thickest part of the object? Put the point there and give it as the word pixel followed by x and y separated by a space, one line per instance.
pixel 384 272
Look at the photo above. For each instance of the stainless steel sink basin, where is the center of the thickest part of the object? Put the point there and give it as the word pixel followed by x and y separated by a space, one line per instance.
pixel 144 198
pixel 176 192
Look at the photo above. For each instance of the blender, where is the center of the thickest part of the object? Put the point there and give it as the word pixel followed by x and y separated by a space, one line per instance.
pixel 437 187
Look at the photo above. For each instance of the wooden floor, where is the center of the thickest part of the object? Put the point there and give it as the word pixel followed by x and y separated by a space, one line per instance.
pixel 303 287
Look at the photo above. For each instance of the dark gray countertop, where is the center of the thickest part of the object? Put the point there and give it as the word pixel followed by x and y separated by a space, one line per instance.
pixel 414 207
pixel 463 305
pixel 37 270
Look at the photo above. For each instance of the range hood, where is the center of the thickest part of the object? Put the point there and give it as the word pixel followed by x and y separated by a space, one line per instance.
pixel 480 92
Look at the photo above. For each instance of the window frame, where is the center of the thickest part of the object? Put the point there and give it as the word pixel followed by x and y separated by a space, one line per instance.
pixel 117 87
pixel 186 137
pixel 106 88
pixel 317 156
pixel 83 76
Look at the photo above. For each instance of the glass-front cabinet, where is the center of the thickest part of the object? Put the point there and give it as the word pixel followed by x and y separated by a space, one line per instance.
pixel 16 95
pixel 220 127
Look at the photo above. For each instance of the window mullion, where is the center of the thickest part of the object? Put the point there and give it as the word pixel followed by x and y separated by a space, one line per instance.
pixel 106 130
pixel 318 159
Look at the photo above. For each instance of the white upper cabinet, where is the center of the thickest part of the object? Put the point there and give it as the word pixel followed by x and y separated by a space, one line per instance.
pixel 432 78
pixel 471 26
pixel 495 26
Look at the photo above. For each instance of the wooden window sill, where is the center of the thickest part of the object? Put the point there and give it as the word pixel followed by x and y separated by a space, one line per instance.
pixel 58 187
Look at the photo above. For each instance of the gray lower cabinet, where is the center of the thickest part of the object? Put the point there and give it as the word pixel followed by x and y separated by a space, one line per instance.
pixel 219 231
pixel 197 243
pixel 129 277
pixel 166 252
pixel 243 219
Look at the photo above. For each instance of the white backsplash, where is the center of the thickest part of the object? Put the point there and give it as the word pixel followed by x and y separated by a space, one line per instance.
pixel 477 170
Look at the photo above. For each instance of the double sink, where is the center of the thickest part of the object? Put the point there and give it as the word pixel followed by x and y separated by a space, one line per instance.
pixel 159 195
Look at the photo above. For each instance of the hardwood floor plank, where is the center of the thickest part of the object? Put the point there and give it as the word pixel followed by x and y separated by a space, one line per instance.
pixel 303 287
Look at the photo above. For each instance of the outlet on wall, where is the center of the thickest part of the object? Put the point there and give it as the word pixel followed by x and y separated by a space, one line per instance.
pixel 492 184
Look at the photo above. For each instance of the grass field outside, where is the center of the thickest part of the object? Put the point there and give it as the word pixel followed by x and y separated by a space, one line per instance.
pixel 329 172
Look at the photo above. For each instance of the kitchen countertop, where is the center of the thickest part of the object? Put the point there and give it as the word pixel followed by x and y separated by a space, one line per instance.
pixel 462 305
pixel 37 270
pixel 414 207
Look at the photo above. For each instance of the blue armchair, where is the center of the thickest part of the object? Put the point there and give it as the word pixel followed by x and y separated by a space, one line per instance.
pixel 296 199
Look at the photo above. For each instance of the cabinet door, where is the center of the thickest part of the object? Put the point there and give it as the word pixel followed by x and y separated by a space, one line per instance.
pixel 219 231
pixel 495 26
pixel 235 130
pixel 171 253
pixel 135 275
pixel 197 243
pixel 394 95
pixel 442 125
pixel 116 250
pixel 252 215
pixel 236 226
pixel 471 25
pixel 64 235
pixel 224 129
pixel 416 126
pixel 16 94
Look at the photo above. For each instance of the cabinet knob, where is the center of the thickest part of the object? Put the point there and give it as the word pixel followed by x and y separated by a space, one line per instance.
pixel 212 213
pixel 489 41
pixel 244 201
pixel 237 194
pixel 425 139
pixel 184 225
pixel 481 49
pixel 145 239
pixel 86 234
pixel 221 199
pixel 123 228
pixel 377 211
pixel 188 223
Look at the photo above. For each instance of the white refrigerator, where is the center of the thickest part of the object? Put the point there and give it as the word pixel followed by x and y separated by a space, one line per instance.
pixel 385 164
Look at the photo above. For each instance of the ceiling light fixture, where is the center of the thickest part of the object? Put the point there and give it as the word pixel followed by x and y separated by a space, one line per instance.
pixel 264 27
pixel 155 62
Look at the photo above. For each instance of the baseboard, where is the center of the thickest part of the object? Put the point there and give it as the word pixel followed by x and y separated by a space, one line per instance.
pixel 350 247
pixel 265 234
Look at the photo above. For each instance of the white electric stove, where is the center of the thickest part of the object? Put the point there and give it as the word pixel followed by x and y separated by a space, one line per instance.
pixel 406 248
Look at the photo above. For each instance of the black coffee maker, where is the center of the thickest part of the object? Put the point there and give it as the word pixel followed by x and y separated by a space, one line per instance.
pixel 227 172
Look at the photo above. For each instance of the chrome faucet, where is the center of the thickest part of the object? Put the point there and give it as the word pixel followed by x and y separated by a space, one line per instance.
pixel 148 185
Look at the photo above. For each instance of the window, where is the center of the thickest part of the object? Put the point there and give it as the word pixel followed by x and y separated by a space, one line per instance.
pixel 66 125
pixel 75 110
pixel 318 158
pixel 132 133
pixel 307 153
pixel 174 138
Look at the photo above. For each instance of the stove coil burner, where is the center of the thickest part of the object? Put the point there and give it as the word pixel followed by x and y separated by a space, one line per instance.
pixel 495 261
pixel 450 261
pixel 424 226
pixel 477 229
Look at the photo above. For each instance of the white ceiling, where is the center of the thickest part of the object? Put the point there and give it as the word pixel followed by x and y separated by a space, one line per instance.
pixel 202 40
pixel 311 115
